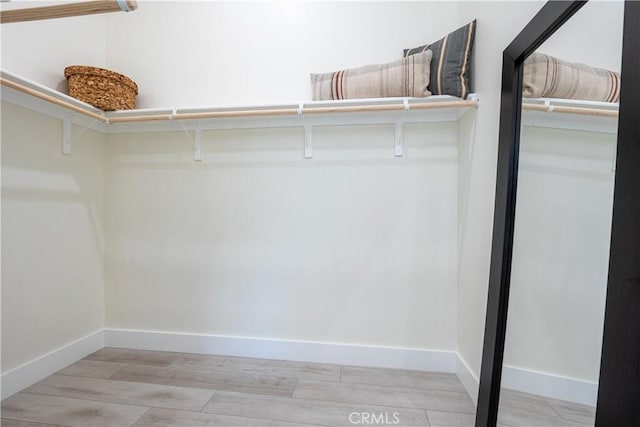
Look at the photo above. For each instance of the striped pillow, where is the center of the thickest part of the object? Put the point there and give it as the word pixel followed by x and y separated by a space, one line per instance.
pixel 406 77
pixel 549 77
pixel 451 62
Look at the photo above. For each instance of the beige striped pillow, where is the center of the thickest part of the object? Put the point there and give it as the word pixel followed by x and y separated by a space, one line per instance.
pixel 406 77
pixel 549 77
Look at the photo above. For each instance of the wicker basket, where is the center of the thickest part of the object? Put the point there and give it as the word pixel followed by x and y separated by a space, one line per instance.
pixel 101 88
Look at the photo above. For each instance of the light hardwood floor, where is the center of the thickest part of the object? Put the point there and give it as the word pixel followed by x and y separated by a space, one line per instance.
pixel 120 387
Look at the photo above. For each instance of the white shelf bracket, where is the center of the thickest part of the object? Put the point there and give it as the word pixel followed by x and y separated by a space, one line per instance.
pixel 399 143
pixel 197 141
pixel 308 147
pixel 67 127
pixel 399 137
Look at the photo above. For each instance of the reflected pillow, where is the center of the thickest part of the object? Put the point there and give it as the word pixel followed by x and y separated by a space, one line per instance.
pixel 405 77
pixel 549 77
pixel 450 74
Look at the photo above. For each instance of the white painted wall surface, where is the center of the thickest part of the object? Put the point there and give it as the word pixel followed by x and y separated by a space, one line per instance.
pixel 498 24
pixel 354 246
pixel 186 53
pixel 52 236
pixel 40 50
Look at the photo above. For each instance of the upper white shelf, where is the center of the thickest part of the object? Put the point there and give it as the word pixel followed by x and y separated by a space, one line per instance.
pixel 570 114
pixel 23 92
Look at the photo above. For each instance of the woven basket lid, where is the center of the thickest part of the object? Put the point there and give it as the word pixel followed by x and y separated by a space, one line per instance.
pixel 100 72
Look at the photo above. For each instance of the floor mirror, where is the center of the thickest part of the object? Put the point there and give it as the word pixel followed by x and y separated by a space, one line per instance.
pixel 562 333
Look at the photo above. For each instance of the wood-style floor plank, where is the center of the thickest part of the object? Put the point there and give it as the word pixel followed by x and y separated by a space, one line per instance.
pixel 523 409
pixel 574 411
pixel 402 378
pixel 69 412
pixel 510 399
pixel 138 357
pixel 208 379
pixel 388 396
pixel 450 419
pixel 307 411
pixel 282 368
pixel 120 387
pixel 528 418
pixel 122 392
pixel 92 368
pixel 157 417
pixel 4 422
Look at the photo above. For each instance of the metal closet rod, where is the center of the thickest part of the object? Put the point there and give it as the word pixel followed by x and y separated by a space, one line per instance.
pixel 67 10
pixel 289 111
pixel 233 113
pixel 596 112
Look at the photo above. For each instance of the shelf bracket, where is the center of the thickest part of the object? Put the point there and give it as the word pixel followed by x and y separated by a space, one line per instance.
pixel 308 148
pixel 67 127
pixel 399 139
pixel 399 142
pixel 197 140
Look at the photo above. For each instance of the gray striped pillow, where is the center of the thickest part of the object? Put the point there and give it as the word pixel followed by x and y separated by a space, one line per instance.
pixel 451 62
pixel 549 77
pixel 406 77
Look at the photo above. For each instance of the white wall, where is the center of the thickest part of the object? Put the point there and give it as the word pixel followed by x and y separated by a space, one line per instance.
pixel 354 246
pixel 40 50
pixel 245 53
pixel 52 236
pixel 498 24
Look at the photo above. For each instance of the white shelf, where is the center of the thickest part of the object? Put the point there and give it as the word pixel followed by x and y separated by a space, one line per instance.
pixel 309 113
pixel 570 114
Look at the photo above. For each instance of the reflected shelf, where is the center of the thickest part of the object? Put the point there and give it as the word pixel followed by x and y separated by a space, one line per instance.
pixel 570 114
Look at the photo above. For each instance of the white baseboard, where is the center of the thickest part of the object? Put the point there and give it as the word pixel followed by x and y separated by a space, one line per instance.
pixel 533 382
pixel 467 378
pixel 304 351
pixel 550 385
pixel 31 372
pixel 528 381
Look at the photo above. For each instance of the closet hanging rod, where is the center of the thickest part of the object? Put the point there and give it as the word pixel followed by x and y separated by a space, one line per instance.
pixel 45 97
pixel 290 111
pixel 597 112
pixel 67 10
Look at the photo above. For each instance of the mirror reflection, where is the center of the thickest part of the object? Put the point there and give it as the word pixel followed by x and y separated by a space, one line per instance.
pixel 563 223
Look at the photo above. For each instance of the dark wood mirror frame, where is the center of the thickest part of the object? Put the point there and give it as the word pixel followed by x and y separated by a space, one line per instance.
pixel 619 385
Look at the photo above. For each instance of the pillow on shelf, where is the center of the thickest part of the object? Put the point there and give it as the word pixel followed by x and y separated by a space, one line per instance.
pixel 405 77
pixel 451 62
pixel 549 77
